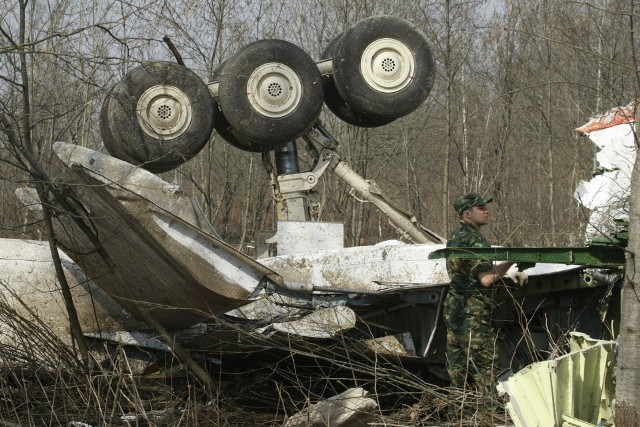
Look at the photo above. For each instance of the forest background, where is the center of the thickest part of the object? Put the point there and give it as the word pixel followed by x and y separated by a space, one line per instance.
pixel 514 79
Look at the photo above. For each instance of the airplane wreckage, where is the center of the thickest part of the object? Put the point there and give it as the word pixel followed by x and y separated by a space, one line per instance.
pixel 139 254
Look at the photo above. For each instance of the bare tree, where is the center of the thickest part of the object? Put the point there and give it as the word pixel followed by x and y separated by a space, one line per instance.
pixel 628 378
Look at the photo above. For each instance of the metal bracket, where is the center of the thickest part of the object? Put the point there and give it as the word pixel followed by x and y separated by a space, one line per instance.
pixel 322 146
pixel 320 138
pixel 305 181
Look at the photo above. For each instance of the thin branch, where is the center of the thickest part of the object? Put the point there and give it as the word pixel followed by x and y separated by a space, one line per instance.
pixel 173 50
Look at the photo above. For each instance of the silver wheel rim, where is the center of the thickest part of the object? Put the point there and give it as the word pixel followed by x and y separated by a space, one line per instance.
pixel 387 65
pixel 164 111
pixel 274 90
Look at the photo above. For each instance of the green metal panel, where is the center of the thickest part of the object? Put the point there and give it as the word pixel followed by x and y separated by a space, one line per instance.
pixel 590 256
pixel 575 389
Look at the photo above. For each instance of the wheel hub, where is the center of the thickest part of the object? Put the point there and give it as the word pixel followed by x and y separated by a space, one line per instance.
pixel 387 65
pixel 164 111
pixel 274 90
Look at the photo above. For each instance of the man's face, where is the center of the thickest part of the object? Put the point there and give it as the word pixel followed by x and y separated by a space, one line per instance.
pixel 477 215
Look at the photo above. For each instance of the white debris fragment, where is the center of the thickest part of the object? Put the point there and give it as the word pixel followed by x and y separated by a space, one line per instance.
pixel 607 193
pixel 28 279
pixel 138 338
pixel 363 267
pixel 325 323
pixel 397 345
pixel 270 309
pixel 348 409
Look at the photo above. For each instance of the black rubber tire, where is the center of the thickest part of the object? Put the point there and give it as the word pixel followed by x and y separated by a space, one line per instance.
pixel 224 129
pixel 244 118
pixel 350 83
pixel 107 137
pixel 230 135
pixel 338 105
pixel 124 136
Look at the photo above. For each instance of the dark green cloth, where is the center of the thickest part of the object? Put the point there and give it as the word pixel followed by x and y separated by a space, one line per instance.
pixel 467 201
pixel 471 338
pixel 464 272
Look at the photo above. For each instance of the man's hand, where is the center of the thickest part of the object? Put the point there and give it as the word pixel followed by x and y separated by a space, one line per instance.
pixel 520 278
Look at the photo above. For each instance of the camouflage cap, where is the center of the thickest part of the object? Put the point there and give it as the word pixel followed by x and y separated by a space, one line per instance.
pixel 470 200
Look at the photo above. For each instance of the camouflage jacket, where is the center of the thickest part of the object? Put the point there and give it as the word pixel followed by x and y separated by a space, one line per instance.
pixel 464 272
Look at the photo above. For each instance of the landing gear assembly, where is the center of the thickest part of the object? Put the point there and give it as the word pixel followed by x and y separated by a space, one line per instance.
pixel 269 93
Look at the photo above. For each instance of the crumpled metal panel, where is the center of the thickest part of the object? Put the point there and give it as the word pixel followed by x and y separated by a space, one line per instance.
pixel 381 267
pixel 395 345
pixel 607 193
pixel 576 386
pixel 351 408
pixel 29 286
pixel 324 323
pixel 156 260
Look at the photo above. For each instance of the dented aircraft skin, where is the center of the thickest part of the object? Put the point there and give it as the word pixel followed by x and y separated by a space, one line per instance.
pixel 29 283
pixel 152 245
pixel 362 269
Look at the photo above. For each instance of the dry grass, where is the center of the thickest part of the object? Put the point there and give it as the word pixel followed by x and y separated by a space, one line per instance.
pixel 43 383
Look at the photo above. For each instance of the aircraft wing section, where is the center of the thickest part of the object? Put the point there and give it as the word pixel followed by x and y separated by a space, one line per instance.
pixel 153 256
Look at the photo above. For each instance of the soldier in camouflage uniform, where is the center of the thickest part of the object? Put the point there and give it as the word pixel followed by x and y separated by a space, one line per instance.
pixel 471 338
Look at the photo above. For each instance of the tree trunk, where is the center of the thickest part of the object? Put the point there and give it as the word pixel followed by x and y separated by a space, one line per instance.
pixel 449 139
pixel 465 136
pixel 628 370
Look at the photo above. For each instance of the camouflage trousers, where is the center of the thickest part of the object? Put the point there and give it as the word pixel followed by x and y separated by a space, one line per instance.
pixel 471 342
